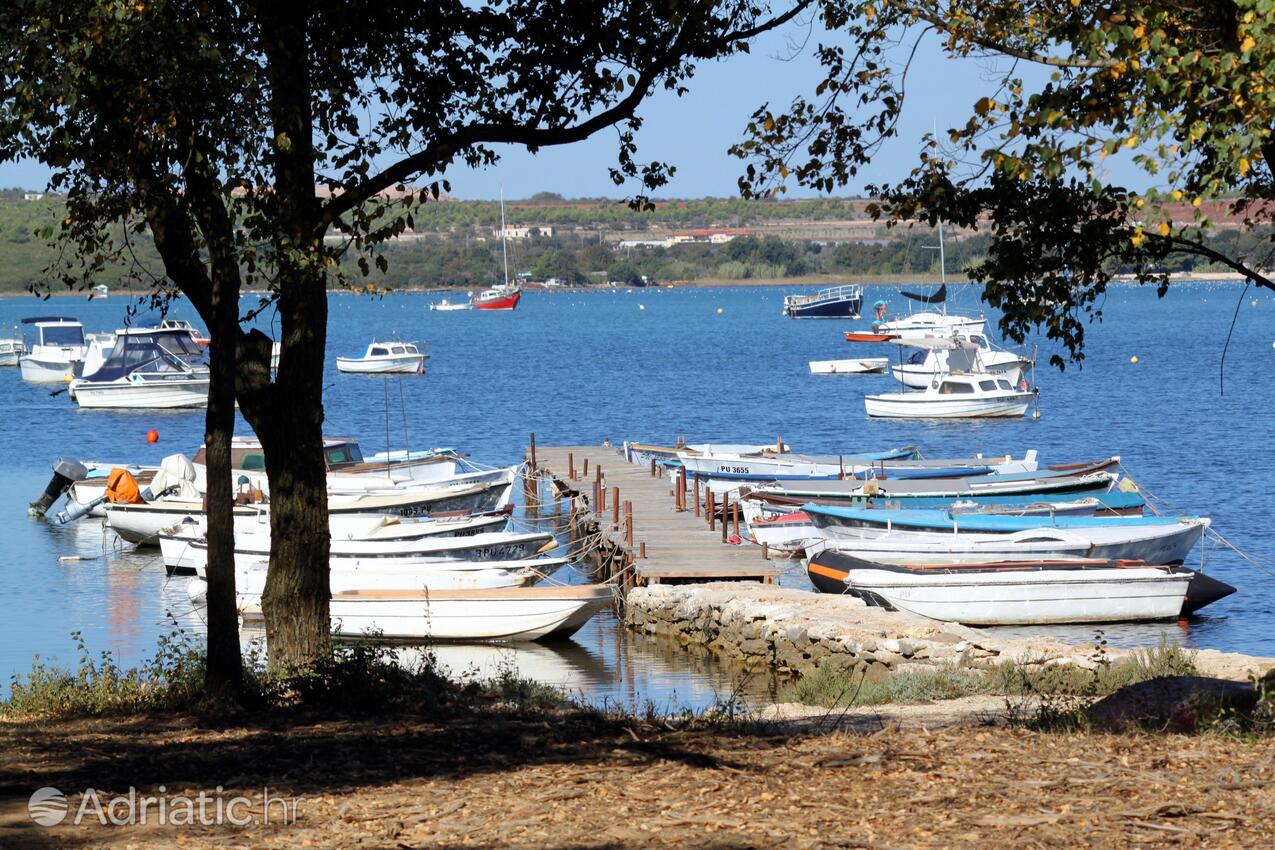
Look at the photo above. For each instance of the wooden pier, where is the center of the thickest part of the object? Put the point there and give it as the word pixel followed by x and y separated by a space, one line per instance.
pixel 648 531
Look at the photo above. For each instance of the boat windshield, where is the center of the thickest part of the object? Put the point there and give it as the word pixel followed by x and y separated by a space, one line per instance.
pixel 132 355
pixel 62 335
pixel 343 454
pixel 951 387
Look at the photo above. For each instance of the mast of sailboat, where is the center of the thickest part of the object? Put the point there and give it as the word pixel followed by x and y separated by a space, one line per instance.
pixel 504 248
pixel 942 264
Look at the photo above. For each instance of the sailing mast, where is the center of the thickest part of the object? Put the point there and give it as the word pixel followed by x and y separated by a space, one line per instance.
pixel 942 264
pixel 504 245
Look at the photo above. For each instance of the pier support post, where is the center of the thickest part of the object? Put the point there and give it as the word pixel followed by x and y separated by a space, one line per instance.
pixel 642 550
pixel 696 496
pixel 653 474
pixel 725 515
pixel 571 466
pixel 734 511
pixel 710 509
pixel 585 472
pixel 532 459
pixel 615 507
pixel 628 524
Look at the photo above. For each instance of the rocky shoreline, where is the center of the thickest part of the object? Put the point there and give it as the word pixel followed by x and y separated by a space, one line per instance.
pixel 794 631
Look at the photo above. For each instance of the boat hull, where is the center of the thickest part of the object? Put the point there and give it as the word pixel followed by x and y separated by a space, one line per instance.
pixel 46 370
pixel 860 366
pixel 141 395
pixel 823 308
pixel 929 406
pixel 394 365
pixel 506 302
pixel 1023 594
pixel 515 614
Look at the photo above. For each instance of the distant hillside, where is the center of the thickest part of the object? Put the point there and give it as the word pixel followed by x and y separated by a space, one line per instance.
pixel 582 241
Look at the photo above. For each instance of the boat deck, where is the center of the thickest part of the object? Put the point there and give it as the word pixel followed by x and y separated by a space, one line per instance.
pixel 668 545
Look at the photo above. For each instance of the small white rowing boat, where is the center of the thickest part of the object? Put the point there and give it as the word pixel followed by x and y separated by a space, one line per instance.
pixel 512 614
pixel 856 366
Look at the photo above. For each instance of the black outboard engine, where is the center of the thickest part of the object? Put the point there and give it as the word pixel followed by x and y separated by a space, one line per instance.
pixel 66 471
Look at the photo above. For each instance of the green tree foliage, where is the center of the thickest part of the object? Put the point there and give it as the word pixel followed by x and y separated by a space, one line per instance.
pixel 1182 89
pixel 206 129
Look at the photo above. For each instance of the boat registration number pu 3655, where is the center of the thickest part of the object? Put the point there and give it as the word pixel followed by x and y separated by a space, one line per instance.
pixel 736 470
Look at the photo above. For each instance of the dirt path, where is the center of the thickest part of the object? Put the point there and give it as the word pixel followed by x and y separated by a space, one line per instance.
pixel 577 781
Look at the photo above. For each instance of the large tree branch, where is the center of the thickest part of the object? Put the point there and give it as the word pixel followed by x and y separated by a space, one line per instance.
pixel 441 151
pixel 175 240
pixel 1192 246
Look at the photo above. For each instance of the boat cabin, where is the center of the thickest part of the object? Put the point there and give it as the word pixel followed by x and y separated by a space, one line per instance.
pixel 246 454
pixel 971 385
pixel 56 331
pixel 391 349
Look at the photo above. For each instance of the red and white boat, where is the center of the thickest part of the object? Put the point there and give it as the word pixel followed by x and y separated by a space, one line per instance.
pixel 503 297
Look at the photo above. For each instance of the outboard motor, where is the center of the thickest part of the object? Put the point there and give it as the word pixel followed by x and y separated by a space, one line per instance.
pixel 66 471
pixel 77 510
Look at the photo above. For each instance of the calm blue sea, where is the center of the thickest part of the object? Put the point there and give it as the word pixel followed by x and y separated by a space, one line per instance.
pixel 646 365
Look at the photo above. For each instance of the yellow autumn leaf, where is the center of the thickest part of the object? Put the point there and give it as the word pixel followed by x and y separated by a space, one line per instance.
pixel 1164 228
pixel 983 105
pixel 768 124
pixel 1132 141
pixel 1140 203
pixel 1243 165
pixel 1177 194
pixel 1195 202
pixel 1138 237
pixel 1248 44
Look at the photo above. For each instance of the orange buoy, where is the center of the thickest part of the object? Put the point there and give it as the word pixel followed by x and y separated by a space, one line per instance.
pixel 152 436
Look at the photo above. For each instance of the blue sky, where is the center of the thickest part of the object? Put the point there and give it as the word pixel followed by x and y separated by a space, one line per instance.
pixel 695 131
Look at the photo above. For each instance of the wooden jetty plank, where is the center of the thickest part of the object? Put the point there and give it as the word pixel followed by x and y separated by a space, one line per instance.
pixel 678 544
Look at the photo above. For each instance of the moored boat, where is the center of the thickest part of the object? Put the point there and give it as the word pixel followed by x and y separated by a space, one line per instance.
pixel 385 358
pixel 836 302
pixel 1020 592
pixel 854 366
pixel 510 614
pixel 56 351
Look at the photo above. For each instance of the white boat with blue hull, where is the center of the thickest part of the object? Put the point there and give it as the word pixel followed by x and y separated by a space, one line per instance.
pixel 837 302
pixel 895 464
pixel 874 534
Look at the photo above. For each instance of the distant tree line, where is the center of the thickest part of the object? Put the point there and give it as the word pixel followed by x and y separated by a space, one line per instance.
pixel 471 260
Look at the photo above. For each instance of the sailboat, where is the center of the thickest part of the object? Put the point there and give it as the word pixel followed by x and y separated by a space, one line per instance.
pixel 506 295
pixel 930 321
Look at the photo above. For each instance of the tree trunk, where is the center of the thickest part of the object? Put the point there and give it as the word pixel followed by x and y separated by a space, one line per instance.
pixel 224 670
pixel 295 604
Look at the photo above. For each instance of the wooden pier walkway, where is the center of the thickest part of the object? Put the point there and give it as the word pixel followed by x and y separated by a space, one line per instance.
pixel 662 544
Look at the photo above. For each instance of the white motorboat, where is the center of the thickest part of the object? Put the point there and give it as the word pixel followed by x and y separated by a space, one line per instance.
pixel 854 366
pixel 953 395
pixel 511 614
pixel 182 326
pixel 387 527
pixel 185 550
pixel 178 342
pixel 447 306
pixel 142 375
pixel 975 396
pixel 99 292
pixel 385 358
pixel 923 366
pixel 56 352
pixel 875 533
pixel 10 351
pixel 1027 592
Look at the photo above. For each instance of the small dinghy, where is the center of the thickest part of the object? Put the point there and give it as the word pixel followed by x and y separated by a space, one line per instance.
pixel 446 306
pixel 11 350
pixel 1020 592
pixel 385 358
pixel 509 614
pixel 855 366
pixel 895 534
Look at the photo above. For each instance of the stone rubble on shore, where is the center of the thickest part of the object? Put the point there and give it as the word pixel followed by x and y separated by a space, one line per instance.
pixel 793 631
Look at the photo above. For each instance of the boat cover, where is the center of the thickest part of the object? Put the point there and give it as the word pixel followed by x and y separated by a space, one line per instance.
pixel 176 473
pixel 939 296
